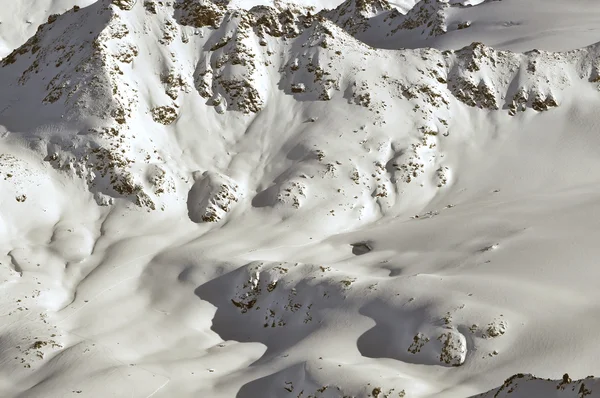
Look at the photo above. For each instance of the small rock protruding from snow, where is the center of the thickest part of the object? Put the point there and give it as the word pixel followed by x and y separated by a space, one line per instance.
pixel 298 88
pixel 361 248
pixel 164 114
pixel 496 328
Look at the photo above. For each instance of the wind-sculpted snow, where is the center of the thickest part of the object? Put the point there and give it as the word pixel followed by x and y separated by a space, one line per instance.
pixel 204 199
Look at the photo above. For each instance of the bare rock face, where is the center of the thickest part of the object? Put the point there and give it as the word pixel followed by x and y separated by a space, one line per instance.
pixel 212 197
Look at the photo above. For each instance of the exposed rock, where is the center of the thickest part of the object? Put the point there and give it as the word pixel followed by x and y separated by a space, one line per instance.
pixel 125 5
pixel 279 23
pixel 198 13
pixel 87 57
pixel 418 342
pixel 164 114
pixel 526 385
pixel 212 197
pixel 298 88
pixel 496 328
pixel 354 15
pixel 542 103
pixel 428 16
pixel 454 348
pixel 360 248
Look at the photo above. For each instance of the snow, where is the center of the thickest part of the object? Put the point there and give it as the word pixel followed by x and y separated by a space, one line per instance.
pixel 20 19
pixel 322 199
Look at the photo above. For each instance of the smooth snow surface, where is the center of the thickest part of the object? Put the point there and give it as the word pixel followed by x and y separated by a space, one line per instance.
pixel 315 199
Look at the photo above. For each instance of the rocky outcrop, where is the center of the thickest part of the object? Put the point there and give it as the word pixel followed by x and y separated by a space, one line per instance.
pixel 286 23
pixel 378 18
pixel 212 197
pixel 229 74
pixel 526 385
pixel 199 13
pixel 354 15
pixel 482 77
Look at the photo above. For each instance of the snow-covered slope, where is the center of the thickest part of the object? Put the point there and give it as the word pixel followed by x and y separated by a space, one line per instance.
pixel 521 385
pixel 211 199
pixel 20 19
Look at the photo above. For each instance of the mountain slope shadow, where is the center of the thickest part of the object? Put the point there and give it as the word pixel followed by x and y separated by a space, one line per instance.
pixel 273 385
pixel 264 302
pixel 400 334
pixel 69 43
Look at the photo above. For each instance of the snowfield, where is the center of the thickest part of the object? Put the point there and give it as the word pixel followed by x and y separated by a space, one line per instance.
pixel 317 199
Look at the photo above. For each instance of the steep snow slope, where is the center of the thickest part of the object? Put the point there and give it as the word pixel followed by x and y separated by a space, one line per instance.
pixel 206 200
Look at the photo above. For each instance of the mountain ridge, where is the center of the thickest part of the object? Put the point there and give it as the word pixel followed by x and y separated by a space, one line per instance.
pixel 234 74
pixel 204 199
